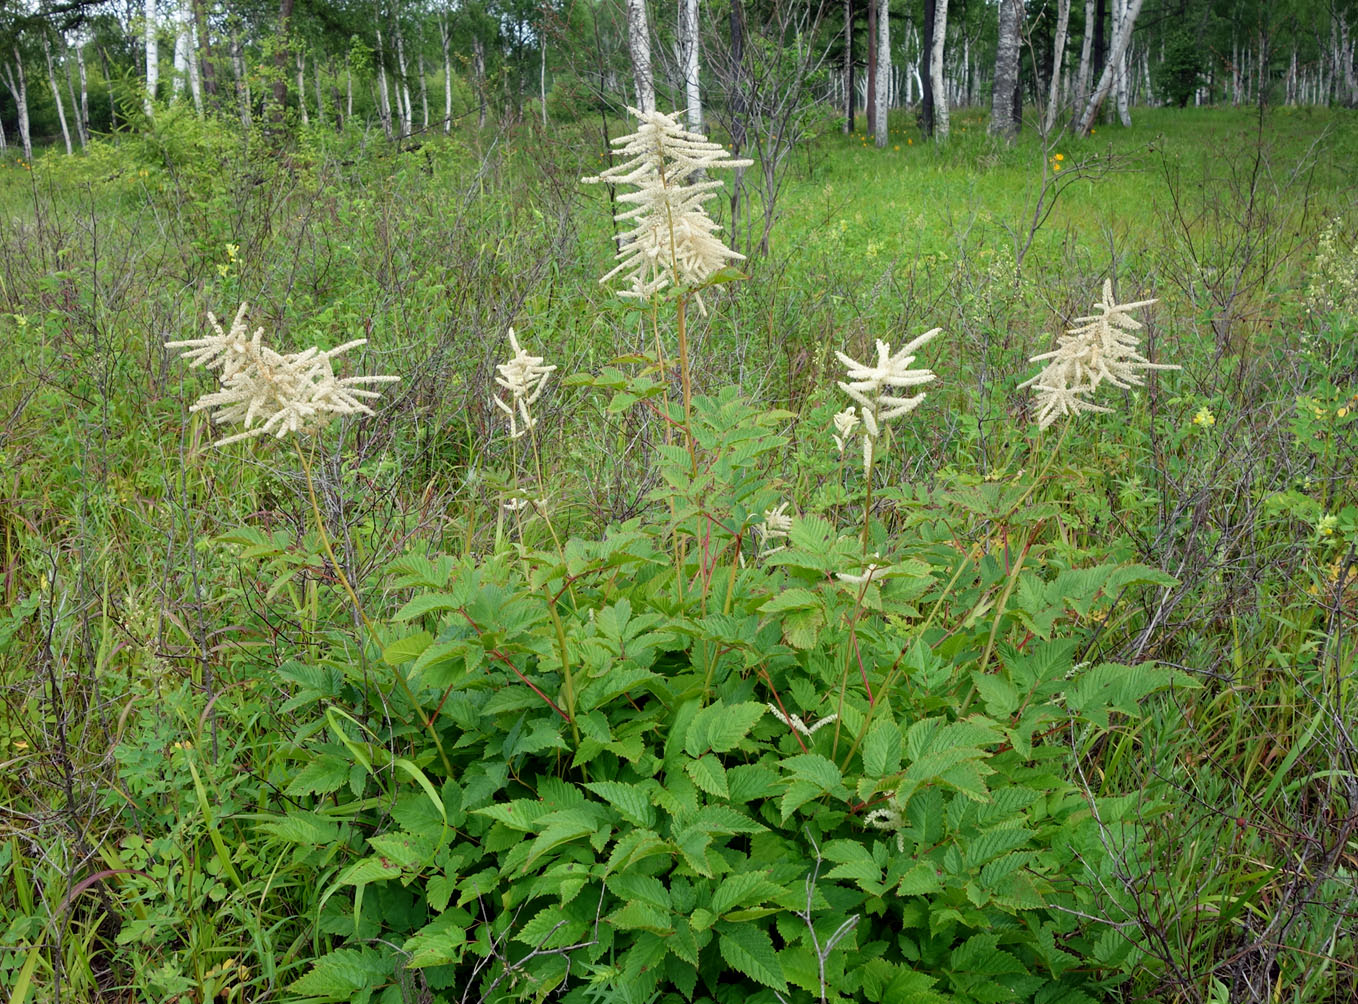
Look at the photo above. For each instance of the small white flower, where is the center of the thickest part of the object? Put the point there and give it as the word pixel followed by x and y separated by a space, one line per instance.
pixel 846 422
pixel 869 574
pixel 776 524
pixel 889 818
pixel 795 723
pixel 524 377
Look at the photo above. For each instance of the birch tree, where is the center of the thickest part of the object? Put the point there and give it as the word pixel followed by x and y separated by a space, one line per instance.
pixel 639 48
pixel 940 85
pixel 1003 121
pixel 688 52
pixel 883 70
pixel 18 89
pixel 56 93
pixel 1058 65
pixel 1118 49
pixel 152 57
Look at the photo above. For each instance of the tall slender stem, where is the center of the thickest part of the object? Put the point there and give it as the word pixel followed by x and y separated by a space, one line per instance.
pixel 358 607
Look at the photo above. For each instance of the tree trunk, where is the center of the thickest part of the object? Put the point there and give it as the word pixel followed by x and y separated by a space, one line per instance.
pixel 301 86
pixel 446 39
pixel 383 93
pixel 152 58
pixel 1058 65
pixel 1002 120
pixel 348 89
pixel 84 90
pixel 870 97
pixel 281 59
pixel 180 73
pixel 1115 54
pixel 195 73
pixel 320 94
pixel 18 87
pixel 688 42
pixel 883 69
pixel 940 86
pixel 848 66
pixel 403 104
pixel 243 97
pixel 56 94
pixel 639 48
pixel 82 132
pixel 424 95
pixel 479 71
pixel 926 108
pixel 1120 73
pixel 207 68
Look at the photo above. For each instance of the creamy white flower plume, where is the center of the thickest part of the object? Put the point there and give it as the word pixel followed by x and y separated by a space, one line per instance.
pixel 873 387
pixel 890 818
pixel 523 377
pixel 795 723
pixel 270 393
pixel 869 574
pixel 673 241
pixel 846 422
pixel 1101 347
pixel 776 524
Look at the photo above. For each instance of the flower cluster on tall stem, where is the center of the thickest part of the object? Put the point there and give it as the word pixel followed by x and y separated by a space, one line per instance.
pixel 1100 348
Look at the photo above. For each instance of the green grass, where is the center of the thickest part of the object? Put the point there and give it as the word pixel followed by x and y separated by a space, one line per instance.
pixel 171 633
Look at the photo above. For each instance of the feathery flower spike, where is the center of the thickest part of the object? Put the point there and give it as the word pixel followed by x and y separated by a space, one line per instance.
pixel 1101 347
pixel 673 241
pixel 872 387
pixel 846 422
pixel 777 523
pixel 795 723
pixel 270 393
pixel 524 377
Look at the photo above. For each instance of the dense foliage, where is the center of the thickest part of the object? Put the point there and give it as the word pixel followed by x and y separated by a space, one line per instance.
pixel 1050 716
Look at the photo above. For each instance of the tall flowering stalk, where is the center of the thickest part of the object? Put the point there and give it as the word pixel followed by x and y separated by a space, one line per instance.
pixel 269 393
pixel 1102 347
pixel 874 388
pixel 673 241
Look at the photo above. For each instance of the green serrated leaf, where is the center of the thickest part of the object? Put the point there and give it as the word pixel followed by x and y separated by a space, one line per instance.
pixel 749 950
pixel 709 775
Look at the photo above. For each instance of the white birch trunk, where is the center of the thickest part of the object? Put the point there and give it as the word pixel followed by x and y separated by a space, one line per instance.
pixel 542 78
pixel 84 89
pixel 1115 54
pixel 1120 71
pixel 383 94
pixel 883 96
pixel 424 95
pixel 152 58
pixel 195 73
pixel 940 85
pixel 82 132
pixel 688 44
pixel 1058 65
pixel 18 87
pixel 181 54
pixel 1086 52
pixel 301 86
pixel 56 95
pixel 1002 121
pixel 407 115
pixel 445 37
pixel 348 89
pixel 479 71
pixel 639 47
pixel 320 93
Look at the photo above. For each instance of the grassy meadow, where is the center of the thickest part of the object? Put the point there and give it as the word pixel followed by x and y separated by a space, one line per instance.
pixel 411 710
